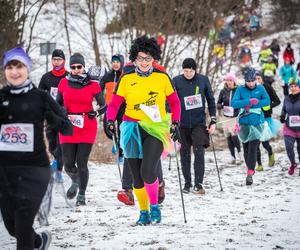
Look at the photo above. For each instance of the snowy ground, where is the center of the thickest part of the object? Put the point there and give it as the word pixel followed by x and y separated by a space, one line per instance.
pixel 263 216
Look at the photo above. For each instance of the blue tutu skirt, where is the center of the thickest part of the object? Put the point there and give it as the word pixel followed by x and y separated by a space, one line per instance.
pixel 130 140
pixel 250 133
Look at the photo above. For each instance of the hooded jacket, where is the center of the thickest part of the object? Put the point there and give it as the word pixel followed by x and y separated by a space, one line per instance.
pixel 110 80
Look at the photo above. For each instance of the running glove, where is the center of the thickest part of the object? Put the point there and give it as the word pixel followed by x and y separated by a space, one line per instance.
pixel 111 128
pixel 247 108
pixel 92 114
pixel 213 120
pixel 174 131
pixel 253 101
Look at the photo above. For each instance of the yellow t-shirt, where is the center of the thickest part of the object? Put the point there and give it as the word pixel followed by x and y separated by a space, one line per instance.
pixel 151 90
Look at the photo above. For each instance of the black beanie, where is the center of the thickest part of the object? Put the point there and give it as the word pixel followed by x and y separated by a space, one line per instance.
pixel 58 53
pixel 189 63
pixel 77 58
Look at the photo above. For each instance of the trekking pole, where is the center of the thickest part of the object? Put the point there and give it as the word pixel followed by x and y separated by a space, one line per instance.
pixel 177 163
pixel 117 148
pixel 212 143
pixel 169 162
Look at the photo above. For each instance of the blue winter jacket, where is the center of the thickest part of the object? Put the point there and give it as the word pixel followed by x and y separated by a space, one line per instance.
pixel 242 98
pixel 286 72
pixel 200 84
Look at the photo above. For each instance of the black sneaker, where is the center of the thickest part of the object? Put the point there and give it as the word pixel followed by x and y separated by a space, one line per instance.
pixel 46 240
pixel 161 192
pixel 249 180
pixel 186 188
pixel 72 191
pixel 80 200
pixel 198 189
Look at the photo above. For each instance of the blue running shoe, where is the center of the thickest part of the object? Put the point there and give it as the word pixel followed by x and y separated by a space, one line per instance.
pixel 59 177
pixel 54 166
pixel 144 218
pixel 155 214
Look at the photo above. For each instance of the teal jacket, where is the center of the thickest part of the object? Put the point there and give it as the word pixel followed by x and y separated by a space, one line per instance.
pixel 287 72
pixel 241 99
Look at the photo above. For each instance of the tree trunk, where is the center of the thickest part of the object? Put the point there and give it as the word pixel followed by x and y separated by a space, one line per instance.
pixel 92 20
pixel 66 27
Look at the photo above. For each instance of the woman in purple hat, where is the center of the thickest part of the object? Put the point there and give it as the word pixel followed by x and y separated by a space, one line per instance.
pixel 24 165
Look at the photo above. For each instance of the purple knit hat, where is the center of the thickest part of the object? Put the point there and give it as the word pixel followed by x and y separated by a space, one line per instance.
pixel 17 54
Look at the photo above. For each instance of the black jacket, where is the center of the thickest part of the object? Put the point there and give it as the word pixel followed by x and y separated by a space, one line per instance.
pixel 275 101
pixel 224 99
pixel 110 76
pixel 184 87
pixel 33 108
pixel 49 80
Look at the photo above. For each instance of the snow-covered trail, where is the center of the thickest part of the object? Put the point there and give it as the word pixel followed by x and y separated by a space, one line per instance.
pixel 263 216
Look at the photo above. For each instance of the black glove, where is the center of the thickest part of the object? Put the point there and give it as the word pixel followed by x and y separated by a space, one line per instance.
pixel 282 119
pixel 92 114
pixel 219 106
pixel 212 121
pixel 174 131
pixel 111 128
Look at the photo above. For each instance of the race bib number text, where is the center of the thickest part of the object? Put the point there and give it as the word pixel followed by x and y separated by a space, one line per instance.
pixel 17 137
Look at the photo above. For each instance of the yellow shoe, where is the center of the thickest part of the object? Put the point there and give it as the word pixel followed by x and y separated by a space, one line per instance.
pixel 259 168
pixel 271 160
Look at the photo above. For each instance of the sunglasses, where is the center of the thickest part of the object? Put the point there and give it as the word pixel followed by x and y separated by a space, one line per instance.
pixel 147 58
pixel 76 67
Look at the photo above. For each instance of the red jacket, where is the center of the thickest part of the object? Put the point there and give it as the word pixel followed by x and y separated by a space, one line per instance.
pixel 289 54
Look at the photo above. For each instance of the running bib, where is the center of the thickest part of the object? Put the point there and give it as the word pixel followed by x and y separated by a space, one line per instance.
pixel 152 112
pixel 193 102
pixel 76 120
pixel 17 137
pixel 294 121
pixel 228 111
pixel 53 92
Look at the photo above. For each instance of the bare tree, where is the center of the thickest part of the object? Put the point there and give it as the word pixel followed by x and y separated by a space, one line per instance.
pixel 8 28
pixel 33 20
pixel 93 6
pixel 14 16
pixel 285 13
pixel 66 26
pixel 185 25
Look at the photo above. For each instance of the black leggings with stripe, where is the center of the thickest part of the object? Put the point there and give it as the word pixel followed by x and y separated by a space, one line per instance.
pixel 146 169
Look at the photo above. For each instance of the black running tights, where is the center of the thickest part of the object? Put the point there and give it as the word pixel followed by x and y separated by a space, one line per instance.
pixel 146 169
pixel 75 158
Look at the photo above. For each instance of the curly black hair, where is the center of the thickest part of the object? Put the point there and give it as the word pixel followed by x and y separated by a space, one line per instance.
pixel 146 45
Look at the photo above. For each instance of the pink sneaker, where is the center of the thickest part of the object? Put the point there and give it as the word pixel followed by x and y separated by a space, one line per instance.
pixel 292 169
pixel 250 172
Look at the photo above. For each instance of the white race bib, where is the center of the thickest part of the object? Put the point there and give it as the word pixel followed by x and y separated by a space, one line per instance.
pixel 17 137
pixel 77 120
pixel 152 112
pixel 193 101
pixel 228 111
pixel 53 92
pixel 294 121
